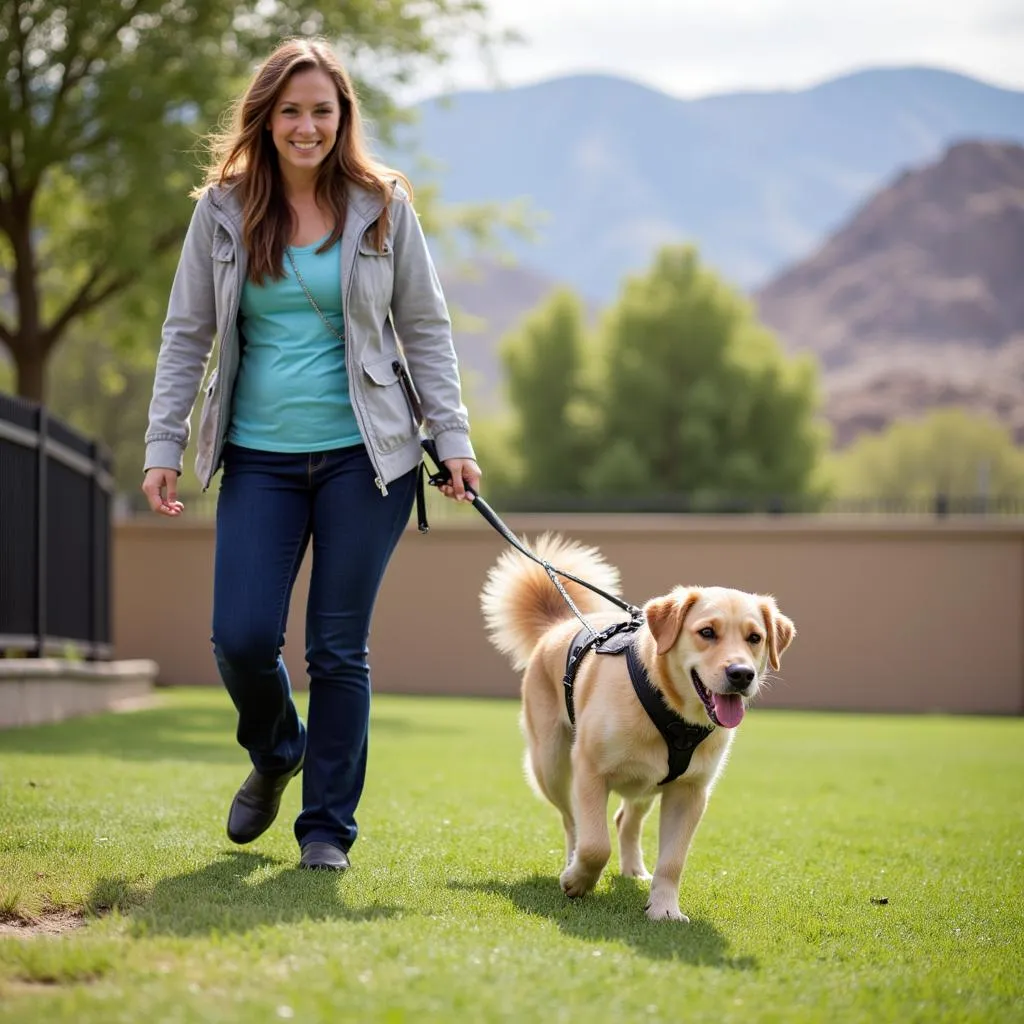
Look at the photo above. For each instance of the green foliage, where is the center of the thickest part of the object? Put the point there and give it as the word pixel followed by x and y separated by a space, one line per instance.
pixel 107 100
pixel 948 451
pixel 101 386
pixel 544 362
pixel 700 395
pixel 688 395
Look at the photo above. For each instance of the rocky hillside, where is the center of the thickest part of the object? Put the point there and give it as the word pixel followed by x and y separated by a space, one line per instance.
pixel 918 300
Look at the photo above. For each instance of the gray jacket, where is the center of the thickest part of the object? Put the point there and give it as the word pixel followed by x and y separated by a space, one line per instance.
pixel 389 293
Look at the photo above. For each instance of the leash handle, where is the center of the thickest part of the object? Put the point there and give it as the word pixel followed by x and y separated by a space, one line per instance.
pixel 443 475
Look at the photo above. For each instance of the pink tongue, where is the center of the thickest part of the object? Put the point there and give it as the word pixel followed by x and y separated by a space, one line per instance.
pixel 728 709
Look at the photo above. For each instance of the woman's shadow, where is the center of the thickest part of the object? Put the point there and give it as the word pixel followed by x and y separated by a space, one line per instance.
pixel 615 913
pixel 233 894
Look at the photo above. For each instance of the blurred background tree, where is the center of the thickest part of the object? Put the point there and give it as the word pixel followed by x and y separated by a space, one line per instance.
pixel 681 392
pixel 698 397
pixel 947 452
pixel 553 418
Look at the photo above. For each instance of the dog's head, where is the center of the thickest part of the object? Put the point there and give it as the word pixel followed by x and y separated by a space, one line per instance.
pixel 716 645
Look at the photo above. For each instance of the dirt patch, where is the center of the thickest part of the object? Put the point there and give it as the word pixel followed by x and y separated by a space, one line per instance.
pixel 49 922
pixel 27 988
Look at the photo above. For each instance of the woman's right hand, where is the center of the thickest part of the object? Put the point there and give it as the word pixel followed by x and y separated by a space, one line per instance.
pixel 160 486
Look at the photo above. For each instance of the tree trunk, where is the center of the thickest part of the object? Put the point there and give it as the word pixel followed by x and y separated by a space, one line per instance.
pixel 30 362
pixel 29 346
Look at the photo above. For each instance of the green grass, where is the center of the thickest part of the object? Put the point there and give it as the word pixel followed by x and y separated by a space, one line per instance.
pixel 452 911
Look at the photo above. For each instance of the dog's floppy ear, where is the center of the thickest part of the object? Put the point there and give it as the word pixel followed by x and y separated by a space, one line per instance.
pixel 666 615
pixel 779 628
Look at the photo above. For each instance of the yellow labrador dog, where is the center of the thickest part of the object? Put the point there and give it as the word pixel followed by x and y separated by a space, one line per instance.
pixel 706 652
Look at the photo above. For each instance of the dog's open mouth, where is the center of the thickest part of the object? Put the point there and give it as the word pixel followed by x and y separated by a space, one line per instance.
pixel 724 709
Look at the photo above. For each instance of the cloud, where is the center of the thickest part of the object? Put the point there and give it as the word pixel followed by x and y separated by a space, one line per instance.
pixel 695 47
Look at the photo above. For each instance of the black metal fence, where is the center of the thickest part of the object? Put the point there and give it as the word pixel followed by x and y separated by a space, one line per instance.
pixel 56 497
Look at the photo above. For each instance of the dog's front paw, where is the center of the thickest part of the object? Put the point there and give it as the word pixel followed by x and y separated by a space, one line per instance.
pixel 665 912
pixel 636 871
pixel 576 883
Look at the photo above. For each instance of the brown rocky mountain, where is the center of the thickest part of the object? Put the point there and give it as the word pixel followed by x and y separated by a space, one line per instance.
pixel 918 301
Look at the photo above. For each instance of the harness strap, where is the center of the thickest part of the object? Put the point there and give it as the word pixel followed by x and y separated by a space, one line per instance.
pixel 681 736
pixel 582 642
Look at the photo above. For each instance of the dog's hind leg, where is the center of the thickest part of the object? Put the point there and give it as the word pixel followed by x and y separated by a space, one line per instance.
pixel 629 821
pixel 548 754
pixel 550 772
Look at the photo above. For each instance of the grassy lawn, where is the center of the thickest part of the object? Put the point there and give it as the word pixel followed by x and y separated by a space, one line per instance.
pixel 452 911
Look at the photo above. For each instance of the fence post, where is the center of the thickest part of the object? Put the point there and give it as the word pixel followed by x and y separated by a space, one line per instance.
pixel 91 629
pixel 42 521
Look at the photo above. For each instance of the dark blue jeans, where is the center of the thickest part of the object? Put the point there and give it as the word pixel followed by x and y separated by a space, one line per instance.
pixel 270 506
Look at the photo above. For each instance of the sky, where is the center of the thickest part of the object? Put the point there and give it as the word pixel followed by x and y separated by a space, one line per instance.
pixel 693 48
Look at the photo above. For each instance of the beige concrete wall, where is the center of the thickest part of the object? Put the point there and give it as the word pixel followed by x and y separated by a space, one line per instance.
pixel 893 615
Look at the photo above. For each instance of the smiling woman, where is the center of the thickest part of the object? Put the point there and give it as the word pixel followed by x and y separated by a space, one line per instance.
pixel 306 261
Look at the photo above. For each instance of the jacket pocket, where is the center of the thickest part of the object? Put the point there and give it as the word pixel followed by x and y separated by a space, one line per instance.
pixel 392 415
pixel 367 248
pixel 222 249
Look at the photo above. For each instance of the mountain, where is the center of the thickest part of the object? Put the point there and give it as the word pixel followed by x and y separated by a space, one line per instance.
pixel 756 180
pixel 918 300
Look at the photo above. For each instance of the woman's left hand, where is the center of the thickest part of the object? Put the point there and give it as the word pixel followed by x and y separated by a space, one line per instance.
pixel 465 473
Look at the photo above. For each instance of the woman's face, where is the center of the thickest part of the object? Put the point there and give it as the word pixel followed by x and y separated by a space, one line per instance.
pixel 304 122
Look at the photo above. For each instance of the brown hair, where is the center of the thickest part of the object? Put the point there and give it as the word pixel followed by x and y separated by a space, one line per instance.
pixel 244 156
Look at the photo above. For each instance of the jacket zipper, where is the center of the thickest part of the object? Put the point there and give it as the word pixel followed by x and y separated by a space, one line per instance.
pixel 232 323
pixel 378 479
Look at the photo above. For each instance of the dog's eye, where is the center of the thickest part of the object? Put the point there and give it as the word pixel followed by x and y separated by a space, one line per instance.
pixel 707 632
pixel 754 638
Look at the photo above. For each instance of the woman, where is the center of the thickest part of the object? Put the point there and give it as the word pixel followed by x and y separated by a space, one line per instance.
pixel 305 260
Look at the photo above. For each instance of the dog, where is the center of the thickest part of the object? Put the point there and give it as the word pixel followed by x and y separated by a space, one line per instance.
pixel 706 651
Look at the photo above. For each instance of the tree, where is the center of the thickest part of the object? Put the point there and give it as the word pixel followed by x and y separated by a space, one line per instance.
pixel 103 390
pixel 947 452
pixel 104 99
pixel 697 397
pixel 553 419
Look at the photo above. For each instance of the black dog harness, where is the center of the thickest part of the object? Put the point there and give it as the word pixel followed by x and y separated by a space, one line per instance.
pixel 681 737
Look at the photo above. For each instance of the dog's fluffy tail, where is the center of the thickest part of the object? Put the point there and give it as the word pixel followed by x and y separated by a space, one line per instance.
pixel 520 603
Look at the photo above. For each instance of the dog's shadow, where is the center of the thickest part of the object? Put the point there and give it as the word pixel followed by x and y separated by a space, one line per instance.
pixel 614 912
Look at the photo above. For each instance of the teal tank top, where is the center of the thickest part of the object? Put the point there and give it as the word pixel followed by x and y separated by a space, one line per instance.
pixel 292 390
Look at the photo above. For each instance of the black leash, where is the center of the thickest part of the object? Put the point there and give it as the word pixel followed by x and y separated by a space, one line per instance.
pixel 443 476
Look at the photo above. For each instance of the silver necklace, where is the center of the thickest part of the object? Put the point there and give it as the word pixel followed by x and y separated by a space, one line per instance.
pixel 309 295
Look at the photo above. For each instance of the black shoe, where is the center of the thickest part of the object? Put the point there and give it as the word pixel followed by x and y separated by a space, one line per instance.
pixel 256 804
pixel 323 857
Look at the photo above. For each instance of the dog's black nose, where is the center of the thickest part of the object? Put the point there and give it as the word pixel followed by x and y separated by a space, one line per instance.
pixel 739 676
